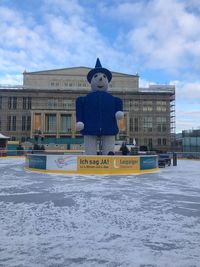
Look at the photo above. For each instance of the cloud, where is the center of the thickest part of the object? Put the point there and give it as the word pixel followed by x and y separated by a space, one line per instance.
pixel 67 7
pixel 11 79
pixel 187 105
pixel 155 36
pixel 186 125
pixel 67 39
pixel 163 34
pixel 188 91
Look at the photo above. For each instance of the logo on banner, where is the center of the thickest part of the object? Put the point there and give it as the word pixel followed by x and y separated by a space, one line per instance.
pixel 65 162
pixel 126 163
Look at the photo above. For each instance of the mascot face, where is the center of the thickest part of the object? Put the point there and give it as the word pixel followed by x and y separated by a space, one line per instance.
pixel 99 82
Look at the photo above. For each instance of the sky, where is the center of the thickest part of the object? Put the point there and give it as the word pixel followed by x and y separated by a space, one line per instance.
pixel 158 39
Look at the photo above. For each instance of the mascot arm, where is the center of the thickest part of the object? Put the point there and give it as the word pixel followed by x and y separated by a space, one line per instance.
pixel 119 114
pixel 79 114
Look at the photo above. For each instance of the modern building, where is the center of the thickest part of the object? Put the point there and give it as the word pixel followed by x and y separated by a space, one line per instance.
pixel 46 103
pixel 191 140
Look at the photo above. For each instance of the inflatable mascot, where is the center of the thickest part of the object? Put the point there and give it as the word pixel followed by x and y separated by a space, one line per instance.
pixel 97 112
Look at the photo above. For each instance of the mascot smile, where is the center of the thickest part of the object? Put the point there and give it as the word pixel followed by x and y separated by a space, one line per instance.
pixel 97 112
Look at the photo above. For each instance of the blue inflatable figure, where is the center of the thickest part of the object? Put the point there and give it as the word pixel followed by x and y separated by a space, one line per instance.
pixel 97 112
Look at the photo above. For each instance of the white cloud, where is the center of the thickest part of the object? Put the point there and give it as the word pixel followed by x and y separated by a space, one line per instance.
pixel 187 105
pixel 68 7
pixel 188 91
pixel 11 79
pixel 67 39
pixel 163 34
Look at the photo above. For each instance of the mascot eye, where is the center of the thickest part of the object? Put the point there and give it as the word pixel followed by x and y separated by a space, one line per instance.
pixel 104 76
pixel 95 75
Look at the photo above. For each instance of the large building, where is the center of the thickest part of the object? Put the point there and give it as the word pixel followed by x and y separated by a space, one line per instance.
pixel 46 103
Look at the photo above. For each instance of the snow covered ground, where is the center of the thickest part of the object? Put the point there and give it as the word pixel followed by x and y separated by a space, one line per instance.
pixel 57 220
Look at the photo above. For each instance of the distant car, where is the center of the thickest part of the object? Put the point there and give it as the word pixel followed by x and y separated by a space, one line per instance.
pixel 166 158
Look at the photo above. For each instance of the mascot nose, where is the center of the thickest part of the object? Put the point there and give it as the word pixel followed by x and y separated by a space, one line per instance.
pixel 100 79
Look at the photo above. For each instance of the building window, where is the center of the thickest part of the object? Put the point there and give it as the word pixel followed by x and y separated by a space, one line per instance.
pixel 11 123
pixel 12 102
pixel 68 104
pixel 145 141
pixel 24 103
pixel 136 124
pixel 131 105
pixel 26 123
pixel 148 124
pixel 23 123
pixel 161 124
pixel 147 105
pixel 131 124
pixel 23 139
pixel 159 141
pixel 161 106
pixel 66 123
pixel 150 143
pixel 29 103
pixel 52 103
pixel 164 141
pixel 28 126
pixel 135 106
pixel 37 121
pixel 50 123
pixel 9 102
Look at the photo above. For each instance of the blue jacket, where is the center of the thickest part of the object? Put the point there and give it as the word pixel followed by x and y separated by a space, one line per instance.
pixel 97 111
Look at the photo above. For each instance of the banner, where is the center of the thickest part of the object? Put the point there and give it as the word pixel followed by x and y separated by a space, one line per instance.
pixel 97 162
pixel 37 161
pixel 148 162
pixel 61 162
pixel 114 164
pixel 92 164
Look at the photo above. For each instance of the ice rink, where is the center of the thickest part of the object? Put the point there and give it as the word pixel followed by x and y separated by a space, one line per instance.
pixel 57 220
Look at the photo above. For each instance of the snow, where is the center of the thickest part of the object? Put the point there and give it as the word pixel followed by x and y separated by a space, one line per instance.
pixel 61 220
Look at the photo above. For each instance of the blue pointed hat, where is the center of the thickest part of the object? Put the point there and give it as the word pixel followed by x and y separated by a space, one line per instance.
pixel 98 68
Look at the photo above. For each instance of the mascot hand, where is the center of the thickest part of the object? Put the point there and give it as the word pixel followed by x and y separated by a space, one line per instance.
pixel 79 126
pixel 119 115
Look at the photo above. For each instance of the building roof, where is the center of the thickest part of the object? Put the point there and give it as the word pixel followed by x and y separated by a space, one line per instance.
pixel 72 71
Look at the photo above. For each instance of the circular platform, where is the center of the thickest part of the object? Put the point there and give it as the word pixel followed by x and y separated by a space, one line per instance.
pixel 83 164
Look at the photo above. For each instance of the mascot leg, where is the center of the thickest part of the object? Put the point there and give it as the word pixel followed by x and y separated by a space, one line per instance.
pixel 90 143
pixel 108 144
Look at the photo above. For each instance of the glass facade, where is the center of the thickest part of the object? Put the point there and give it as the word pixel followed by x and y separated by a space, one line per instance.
pixel 191 144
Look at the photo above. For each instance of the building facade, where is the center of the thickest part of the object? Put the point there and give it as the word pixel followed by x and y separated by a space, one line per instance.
pixel 46 103
pixel 191 140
